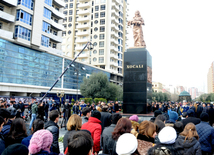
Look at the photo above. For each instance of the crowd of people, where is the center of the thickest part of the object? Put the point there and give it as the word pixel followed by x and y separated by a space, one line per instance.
pixel 176 129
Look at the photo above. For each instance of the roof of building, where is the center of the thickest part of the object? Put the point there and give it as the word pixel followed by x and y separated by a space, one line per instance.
pixel 184 93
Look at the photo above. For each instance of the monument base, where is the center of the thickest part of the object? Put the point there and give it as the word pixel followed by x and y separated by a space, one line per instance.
pixel 137 85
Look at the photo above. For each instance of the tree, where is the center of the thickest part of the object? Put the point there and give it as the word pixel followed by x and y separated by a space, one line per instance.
pixel 98 86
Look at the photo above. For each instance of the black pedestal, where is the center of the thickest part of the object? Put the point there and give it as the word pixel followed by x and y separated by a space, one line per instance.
pixel 137 85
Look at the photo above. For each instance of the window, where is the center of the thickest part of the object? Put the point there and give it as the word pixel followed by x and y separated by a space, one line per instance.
pixel 102 7
pixel 102 36
pixel 96 21
pixel 101 43
pixel 47 13
pixel 102 1
pixel 95 44
pixel 27 3
pixel 65 12
pixel 94 59
pixel 45 41
pixel 70 19
pixel 69 32
pixel 54 45
pixel 69 25
pixel 46 27
pixel 95 29
pixel 70 12
pixel 71 5
pixel 65 26
pixel 101 59
pixel 66 6
pixel 96 15
pixel 102 14
pixel 65 19
pixel 71 0
pixel 101 52
pixel 56 20
pixel 102 29
pixel 1 8
pixel 63 33
pixel 96 8
pixel 48 2
pixel 102 21
pixel 21 32
pixel 1 25
pixel 24 17
pixel 95 52
pixel 95 36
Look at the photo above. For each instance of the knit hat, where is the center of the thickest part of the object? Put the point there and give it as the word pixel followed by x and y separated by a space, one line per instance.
pixel 173 116
pixel 16 149
pixel 204 117
pixel 41 140
pixel 126 144
pixel 134 118
pixel 167 135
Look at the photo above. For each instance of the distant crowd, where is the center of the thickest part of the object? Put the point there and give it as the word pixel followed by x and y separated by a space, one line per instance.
pixel 175 129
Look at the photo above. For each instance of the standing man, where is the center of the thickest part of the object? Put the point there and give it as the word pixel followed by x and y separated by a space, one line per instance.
pixel 184 107
pixel 21 107
pixel 76 108
pixel 67 111
pixel 86 114
pixel 105 117
pixel 34 111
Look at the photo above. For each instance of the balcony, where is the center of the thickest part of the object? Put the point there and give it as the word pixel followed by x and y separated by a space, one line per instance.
pixel 6 34
pixel 114 56
pixel 57 26
pixel 84 33
pixel 59 3
pixel 113 64
pixel 114 41
pixel 81 40
pixel 83 26
pixel 114 48
pixel 84 0
pixel 9 3
pixel 79 48
pixel 84 12
pixel 83 19
pixel 57 13
pixel 85 5
pixel 55 38
pixel 7 17
pixel 113 19
pixel 116 7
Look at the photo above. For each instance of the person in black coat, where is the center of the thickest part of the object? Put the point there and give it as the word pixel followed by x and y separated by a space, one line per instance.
pixel 41 111
pixel 199 110
pixel 211 115
pixel 2 142
pixel 105 117
pixel 21 107
pixel 190 118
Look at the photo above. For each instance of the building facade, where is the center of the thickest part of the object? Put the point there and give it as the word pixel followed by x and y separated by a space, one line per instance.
pixel 31 58
pixel 210 79
pixel 103 22
pixel 193 92
pixel 157 87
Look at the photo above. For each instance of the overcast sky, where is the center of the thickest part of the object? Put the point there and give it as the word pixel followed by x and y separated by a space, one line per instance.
pixel 180 37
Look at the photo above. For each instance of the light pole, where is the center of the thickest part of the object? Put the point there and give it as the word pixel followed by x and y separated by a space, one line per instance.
pixel 60 95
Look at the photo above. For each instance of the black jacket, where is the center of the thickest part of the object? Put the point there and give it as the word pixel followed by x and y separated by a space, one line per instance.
pixel 21 106
pixel 2 143
pixel 188 147
pixel 18 139
pixel 54 129
pixel 106 132
pixel 105 119
pixel 110 146
pixel 193 120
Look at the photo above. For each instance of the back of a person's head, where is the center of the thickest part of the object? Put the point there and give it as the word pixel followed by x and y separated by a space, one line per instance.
pixel 204 117
pixel 38 124
pixel 178 126
pixel 147 128
pixel 74 122
pixel 123 126
pixel 1 121
pixel 96 114
pixel 189 132
pixel 157 112
pixel 161 118
pixel 167 135
pixel 16 149
pixel 18 128
pixel 81 144
pixel 53 115
pixel 4 113
pixel 41 140
pixel 190 113
pixel 86 110
pixel 115 118
pixel 104 108
pixel 160 125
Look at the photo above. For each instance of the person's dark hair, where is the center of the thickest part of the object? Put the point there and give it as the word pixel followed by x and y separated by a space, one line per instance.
pixel 104 108
pixel 160 125
pixel 178 126
pixel 123 126
pixel 115 117
pixel 18 128
pixel 157 112
pixel 86 110
pixel 53 115
pixel 96 114
pixel 38 124
pixel 161 118
pixel 16 149
pixel 1 120
pixel 4 113
pixel 81 143
pixel 204 117
pixel 184 114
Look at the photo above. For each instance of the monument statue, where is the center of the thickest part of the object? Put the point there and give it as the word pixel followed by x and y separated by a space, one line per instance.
pixel 137 23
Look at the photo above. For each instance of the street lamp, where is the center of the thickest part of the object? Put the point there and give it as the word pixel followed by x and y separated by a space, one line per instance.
pixel 60 95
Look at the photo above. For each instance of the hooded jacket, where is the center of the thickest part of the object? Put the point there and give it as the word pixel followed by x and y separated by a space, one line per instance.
pixel 93 125
pixel 188 147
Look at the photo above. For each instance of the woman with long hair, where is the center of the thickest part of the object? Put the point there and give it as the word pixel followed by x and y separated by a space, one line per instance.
pixel 187 143
pixel 17 132
pixel 124 125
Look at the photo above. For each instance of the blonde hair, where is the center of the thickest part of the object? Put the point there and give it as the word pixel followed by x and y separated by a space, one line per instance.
pixel 99 109
pixel 147 128
pixel 190 132
pixel 74 122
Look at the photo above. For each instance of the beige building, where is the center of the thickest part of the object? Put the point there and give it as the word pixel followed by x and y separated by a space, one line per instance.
pixel 210 79
pixel 157 87
pixel 103 22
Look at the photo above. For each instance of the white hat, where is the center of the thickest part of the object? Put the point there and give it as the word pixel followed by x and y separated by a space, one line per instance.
pixel 167 135
pixel 126 144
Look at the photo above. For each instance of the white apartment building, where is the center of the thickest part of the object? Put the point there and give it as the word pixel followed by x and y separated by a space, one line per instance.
pixel 103 22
